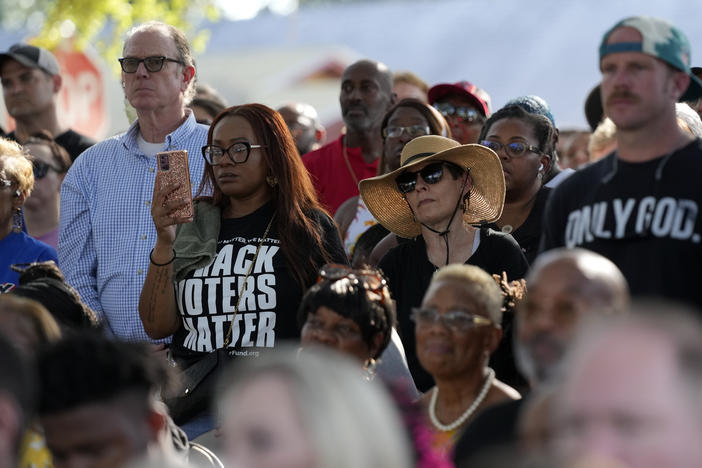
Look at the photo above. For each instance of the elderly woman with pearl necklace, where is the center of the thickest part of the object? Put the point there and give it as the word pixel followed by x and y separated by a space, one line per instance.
pixel 457 329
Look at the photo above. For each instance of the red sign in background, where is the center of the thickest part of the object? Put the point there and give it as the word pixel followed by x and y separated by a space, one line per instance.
pixel 82 104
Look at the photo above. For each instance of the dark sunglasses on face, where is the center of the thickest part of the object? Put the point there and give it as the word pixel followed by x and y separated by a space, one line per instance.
pixel 464 113
pixel 515 149
pixel 152 64
pixel 238 152
pixel 42 168
pixel 431 174
pixel 413 131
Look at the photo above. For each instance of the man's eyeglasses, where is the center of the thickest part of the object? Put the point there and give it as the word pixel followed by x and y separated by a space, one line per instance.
pixel 238 152
pixel 457 320
pixel 464 113
pixel 515 149
pixel 413 131
pixel 152 64
pixel 42 168
pixel 431 174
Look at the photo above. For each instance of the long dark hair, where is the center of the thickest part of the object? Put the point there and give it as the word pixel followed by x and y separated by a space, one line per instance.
pixel 293 196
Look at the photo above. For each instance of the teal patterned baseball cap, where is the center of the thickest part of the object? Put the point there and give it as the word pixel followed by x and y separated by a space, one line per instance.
pixel 660 39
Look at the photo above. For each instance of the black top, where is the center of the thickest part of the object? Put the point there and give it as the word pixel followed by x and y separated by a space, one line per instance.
pixel 73 142
pixel 494 430
pixel 642 216
pixel 528 235
pixel 409 272
pixel 207 297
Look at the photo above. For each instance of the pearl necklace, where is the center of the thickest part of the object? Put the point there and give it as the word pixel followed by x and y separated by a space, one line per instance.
pixel 467 413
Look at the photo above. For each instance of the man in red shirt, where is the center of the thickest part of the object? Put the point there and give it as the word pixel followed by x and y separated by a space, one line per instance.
pixel 337 167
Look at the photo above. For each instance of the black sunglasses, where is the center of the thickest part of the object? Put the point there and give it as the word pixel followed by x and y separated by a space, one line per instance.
pixel 152 64
pixel 41 169
pixel 463 113
pixel 431 174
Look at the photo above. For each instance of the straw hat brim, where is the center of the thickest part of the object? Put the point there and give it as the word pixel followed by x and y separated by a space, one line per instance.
pixel 487 194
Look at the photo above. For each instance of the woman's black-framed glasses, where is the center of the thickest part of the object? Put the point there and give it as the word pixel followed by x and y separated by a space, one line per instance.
pixel 41 169
pixel 431 174
pixel 371 280
pixel 152 64
pixel 458 320
pixel 238 152
pixel 516 149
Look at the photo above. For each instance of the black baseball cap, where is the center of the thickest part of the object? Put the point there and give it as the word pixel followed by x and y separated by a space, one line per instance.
pixel 33 57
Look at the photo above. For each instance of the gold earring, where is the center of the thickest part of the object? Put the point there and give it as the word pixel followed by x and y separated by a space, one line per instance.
pixel 272 180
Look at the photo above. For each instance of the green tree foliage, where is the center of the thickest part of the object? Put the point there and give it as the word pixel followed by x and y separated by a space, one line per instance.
pixel 103 23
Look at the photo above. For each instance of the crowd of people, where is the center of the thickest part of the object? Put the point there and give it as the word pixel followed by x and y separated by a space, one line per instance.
pixel 440 285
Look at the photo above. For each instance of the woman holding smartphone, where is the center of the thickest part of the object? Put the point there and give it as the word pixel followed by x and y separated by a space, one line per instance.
pixel 229 283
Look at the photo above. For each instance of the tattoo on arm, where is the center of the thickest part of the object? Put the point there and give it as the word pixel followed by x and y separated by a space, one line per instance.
pixel 161 286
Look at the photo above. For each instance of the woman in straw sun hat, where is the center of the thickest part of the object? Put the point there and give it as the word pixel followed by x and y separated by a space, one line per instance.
pixel 440 198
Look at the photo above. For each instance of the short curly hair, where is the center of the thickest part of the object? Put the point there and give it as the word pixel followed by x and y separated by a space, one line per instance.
pixel 372 311
pixel 16 166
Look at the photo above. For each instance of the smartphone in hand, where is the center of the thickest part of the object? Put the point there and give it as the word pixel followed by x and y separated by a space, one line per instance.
pixel 172 168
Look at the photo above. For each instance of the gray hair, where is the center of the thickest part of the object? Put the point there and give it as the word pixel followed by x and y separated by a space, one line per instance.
pixel 184 54
pixel 478 283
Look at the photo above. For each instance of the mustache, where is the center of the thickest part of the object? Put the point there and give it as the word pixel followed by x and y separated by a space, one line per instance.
pixel 622 95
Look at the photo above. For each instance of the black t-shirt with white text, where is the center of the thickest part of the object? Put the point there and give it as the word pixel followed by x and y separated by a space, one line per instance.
pixel 207 297
pixel 642 216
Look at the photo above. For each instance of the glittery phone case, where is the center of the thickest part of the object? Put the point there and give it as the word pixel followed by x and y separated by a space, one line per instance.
pixel 172 168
